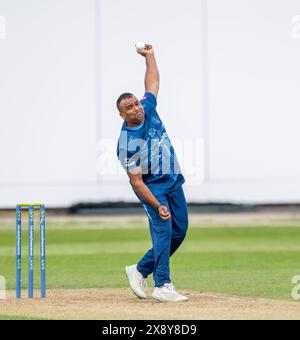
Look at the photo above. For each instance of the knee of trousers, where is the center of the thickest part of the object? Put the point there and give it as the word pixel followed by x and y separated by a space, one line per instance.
pixel 162 231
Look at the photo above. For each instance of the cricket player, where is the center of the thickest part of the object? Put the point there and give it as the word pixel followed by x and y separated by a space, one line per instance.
pixel 147 155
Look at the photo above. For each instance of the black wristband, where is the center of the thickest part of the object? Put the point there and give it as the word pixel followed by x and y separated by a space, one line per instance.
pixel 158 206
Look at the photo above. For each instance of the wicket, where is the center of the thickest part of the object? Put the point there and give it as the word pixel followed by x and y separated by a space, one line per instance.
pixel 31 208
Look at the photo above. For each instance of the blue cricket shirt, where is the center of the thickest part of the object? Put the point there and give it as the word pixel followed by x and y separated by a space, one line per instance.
pixel 149 146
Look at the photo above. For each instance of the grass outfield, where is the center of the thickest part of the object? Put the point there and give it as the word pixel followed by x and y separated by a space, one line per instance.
pixel 241 260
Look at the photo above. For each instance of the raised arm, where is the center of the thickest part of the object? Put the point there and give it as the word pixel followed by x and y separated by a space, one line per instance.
pixel 152 74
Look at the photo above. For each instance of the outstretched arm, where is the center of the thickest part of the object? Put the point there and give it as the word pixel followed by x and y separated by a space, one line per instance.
pixel 152 74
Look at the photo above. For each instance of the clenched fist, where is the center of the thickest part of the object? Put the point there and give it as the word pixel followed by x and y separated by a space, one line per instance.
pixel 163 213
pixel 148 50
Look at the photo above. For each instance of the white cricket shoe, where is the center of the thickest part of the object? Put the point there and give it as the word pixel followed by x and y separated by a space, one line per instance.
pixel 168 293
pixel 137 281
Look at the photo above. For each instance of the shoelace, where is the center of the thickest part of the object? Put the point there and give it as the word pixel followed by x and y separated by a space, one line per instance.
pixel 169 286
pixel 143 283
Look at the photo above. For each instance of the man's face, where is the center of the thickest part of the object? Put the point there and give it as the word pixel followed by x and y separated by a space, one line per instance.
pixel 132 111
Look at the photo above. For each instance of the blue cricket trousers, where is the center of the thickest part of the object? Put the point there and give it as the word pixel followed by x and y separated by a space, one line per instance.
pixel 166 236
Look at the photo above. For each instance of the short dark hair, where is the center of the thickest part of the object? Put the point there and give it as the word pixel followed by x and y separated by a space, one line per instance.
pixel 123 96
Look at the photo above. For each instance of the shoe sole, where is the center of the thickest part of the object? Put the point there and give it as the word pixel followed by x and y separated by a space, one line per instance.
pixel 127 272
pixel 165 300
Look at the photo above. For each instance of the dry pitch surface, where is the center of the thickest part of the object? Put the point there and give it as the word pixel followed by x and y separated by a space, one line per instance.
pixel 110 304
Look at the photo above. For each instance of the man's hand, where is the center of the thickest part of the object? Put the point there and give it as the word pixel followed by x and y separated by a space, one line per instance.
pixel 148 50
pixel 163 213
pixel 152 74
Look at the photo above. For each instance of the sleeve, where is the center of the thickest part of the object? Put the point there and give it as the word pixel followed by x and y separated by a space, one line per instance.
pixel 149 102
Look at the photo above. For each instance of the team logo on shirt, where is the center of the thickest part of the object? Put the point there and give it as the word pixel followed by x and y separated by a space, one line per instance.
pixel 152 133
pixel 155 120
pixel 130 139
